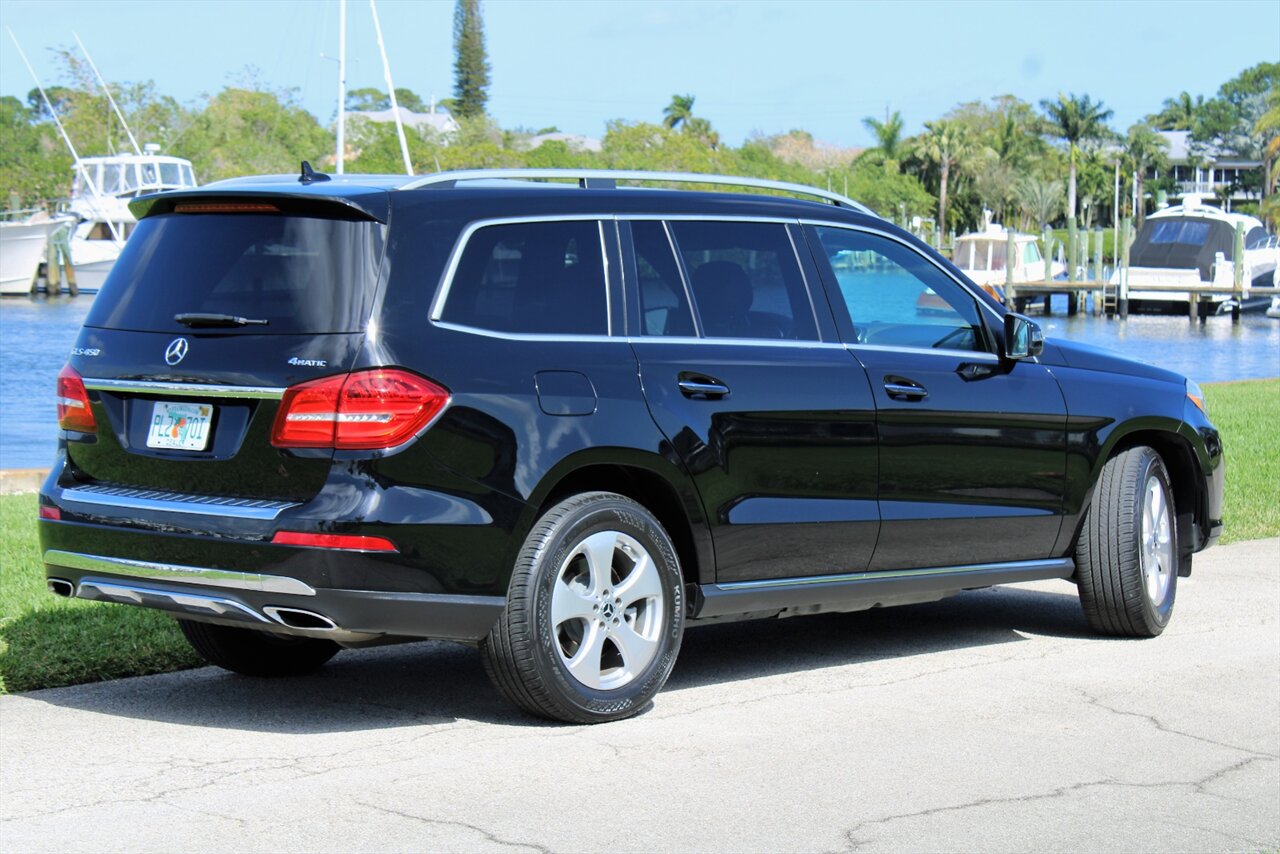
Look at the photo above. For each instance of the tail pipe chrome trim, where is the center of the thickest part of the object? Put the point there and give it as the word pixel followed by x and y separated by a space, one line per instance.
pixel 177 572
pixel 62 587
pixel 296 618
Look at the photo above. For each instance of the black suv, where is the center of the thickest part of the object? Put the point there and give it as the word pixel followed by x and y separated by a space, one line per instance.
pixel 564 420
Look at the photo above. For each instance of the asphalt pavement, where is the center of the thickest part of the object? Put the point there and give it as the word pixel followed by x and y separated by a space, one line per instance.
pixel 992 721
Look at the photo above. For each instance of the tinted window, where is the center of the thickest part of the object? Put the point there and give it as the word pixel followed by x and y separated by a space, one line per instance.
pixel 664 307
pixel 745 280
pixel 534 277
pixel 896 297
pixel 300 274
pixel 1176 231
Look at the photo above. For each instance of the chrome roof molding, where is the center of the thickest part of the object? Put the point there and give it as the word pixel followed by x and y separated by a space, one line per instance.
pixel 607 178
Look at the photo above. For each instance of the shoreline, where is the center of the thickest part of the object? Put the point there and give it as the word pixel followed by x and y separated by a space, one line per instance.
pixel 20 481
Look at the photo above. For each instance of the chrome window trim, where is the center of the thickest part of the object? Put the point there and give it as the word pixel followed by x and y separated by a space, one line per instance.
pixel 125 498
pixel 1063 564
pixel 460 246
pixel 739 342
pixel 523 336
pixel 178 572
pixel 178 389
pixel 981 303
pixel 967 355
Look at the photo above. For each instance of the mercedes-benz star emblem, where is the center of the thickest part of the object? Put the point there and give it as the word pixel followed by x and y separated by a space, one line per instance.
pixel 176 351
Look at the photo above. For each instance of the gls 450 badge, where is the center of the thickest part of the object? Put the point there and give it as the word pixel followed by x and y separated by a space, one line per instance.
pixel 308 363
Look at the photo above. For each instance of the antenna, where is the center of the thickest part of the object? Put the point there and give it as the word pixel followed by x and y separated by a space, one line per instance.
pixel 391 88
pixel 107 89
pixel 84 173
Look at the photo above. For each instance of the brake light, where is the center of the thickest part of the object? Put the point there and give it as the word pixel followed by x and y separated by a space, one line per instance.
pixel 73 403
pixel 365 410
pixel 53 514
pixel 333 541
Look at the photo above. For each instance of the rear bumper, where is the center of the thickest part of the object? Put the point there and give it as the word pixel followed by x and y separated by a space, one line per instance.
pixel 274 603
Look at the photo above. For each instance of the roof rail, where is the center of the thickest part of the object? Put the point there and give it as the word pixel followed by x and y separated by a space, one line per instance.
pixel 608 178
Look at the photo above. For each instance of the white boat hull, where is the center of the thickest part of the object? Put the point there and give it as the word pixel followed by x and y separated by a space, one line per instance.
pixel 21 248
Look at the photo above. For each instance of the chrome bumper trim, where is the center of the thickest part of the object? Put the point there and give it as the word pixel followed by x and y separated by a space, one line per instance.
pixel 209 606
pixel 129 498
pixel 183 389
pixel 177 572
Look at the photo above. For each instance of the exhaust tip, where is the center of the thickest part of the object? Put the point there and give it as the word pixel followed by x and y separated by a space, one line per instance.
pixel 62 587
pixel 296 618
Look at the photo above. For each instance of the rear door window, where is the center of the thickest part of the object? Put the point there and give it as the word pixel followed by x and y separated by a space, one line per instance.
pixel 664 305
pixel 531 278
pixel 746 280
pixel 300 274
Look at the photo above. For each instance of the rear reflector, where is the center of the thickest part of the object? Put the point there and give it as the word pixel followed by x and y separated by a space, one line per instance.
pixel 73 403
pixel 350 542
pixel 53 514
pixel 365 410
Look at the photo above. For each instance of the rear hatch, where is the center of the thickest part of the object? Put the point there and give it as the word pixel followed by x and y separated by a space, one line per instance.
pixel 213 308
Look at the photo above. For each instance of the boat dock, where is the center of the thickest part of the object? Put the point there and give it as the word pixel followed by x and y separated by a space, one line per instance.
pixel 1107 299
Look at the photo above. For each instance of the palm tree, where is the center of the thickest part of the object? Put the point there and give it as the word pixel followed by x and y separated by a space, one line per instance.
pixel 678 112
pixel 1178 113
pixel 944 143
pixel 1041 200
pixel 888 134
pixel 1144 149
pixel 698 127
pixel 1076 120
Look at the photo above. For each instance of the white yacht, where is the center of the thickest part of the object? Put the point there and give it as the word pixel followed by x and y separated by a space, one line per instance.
pixel 22 245
pixel 100 194
pixel 1193 244
pixel 983 256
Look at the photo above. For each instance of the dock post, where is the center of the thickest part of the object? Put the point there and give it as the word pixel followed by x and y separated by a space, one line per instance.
pixel 52 266
pixel 1071 248
pixel 1010 260
pixel 1237 274
pixel 1126 228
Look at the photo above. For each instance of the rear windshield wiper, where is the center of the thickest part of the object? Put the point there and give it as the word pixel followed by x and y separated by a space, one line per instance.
pixel 199 319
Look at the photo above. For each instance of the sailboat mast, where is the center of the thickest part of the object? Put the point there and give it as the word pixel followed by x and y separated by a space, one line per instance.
pixel 84 173
pixel 342 86
pixel 391 88
pixel 107 89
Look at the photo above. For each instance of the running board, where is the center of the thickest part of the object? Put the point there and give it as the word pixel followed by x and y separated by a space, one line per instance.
pixel 853 591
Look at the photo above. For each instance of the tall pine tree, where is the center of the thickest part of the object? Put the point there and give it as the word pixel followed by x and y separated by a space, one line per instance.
pixel 471 64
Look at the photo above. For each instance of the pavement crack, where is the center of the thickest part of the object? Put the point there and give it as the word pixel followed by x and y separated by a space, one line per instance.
pixel 1163 727
pixel 443 822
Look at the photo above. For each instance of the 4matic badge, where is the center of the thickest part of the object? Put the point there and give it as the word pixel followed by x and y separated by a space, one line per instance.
pixel 308 363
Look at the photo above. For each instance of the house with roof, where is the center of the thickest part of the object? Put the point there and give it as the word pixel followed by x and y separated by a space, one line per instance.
pixel 1208 171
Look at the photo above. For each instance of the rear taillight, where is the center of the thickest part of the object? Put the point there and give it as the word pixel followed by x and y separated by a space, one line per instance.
pixel 365 410
pixel 73 403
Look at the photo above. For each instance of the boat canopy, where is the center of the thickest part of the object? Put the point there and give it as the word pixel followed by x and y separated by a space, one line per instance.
pixel 1182 242
pixel 129 175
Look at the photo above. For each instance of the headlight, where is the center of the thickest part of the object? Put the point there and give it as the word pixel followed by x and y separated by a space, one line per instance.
pixel 1196 396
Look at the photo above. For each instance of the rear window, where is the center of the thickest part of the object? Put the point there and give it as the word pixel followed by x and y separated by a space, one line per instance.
pixel 301 274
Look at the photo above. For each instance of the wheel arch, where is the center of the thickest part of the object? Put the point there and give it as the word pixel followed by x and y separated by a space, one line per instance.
pixel 648 479
pixel 1185 475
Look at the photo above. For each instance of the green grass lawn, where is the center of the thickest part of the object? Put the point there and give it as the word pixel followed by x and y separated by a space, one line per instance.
pixel 46 641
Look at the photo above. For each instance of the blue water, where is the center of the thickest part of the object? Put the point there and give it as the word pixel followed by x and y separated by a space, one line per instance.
pixel 37 333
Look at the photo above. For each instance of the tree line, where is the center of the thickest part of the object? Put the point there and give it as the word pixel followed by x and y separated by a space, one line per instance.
pixel 1033 165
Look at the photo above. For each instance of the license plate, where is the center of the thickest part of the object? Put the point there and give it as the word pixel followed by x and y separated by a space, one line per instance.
pixel 180 426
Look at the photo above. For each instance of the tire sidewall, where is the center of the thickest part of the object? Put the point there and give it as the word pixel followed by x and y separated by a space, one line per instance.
pixel 605 514
pixel 1158 614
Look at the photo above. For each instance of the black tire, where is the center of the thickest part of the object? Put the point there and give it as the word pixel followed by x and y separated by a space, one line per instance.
pixel 1114 589
pixel 528 658
pixel 255 653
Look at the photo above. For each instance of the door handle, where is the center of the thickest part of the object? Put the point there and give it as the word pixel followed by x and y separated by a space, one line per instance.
pixel 703 387
pixel 901 388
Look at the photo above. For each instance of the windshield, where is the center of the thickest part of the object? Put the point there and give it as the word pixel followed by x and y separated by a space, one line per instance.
pixel 300 274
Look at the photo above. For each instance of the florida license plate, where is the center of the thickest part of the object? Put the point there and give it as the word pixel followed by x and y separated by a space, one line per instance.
pixel 180 426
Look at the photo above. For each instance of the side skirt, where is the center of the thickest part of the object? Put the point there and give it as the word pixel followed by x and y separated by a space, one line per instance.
pixel 860 590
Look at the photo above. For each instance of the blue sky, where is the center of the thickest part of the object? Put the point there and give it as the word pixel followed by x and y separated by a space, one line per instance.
pixel 753 66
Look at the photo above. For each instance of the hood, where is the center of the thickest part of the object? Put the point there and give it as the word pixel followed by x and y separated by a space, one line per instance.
pixel 1076 355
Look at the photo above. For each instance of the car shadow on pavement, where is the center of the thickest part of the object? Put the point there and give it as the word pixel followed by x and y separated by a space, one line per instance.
pixel 435 683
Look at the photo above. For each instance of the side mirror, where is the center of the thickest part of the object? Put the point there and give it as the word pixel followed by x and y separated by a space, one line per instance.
pixel 1022 337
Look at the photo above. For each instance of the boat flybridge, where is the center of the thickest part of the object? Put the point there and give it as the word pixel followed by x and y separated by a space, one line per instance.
pixel 100 194
pixel 1193 245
